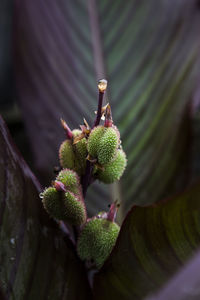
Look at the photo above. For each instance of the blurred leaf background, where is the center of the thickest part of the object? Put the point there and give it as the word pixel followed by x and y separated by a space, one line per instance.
pixel 52 56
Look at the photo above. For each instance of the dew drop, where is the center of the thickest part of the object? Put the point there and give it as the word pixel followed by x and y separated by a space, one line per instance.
pixel 12 241
pixel 102 85
pixel 12 258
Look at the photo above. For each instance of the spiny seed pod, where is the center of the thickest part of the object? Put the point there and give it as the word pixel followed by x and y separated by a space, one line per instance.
pixel 114 169
pixel 97 239
pixel 66 155
pixel 64 206
pixel 52 201
pixel 103 143
pixel 94 139
pixel 107 146
pixel 73 156
pixel 70 179
pixel 75 211
pixel 80 152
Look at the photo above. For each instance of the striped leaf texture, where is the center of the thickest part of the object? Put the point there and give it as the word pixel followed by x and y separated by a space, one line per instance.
pixel 184 285
pixel 154 243
pixel 36 262
pixel 148 51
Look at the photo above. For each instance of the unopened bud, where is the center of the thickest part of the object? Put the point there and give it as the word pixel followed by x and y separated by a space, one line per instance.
pixel 111 215
pixel 108 117
pixel 59 186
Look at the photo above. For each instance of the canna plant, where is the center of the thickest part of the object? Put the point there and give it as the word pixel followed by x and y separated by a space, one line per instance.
pixel 68 243
pixel 71 245
pixel 87 155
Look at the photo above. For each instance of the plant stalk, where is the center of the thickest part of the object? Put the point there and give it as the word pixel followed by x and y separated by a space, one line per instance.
pixel 86 179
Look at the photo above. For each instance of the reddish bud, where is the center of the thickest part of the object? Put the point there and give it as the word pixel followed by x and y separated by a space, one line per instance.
pixel 67 129
pixel 59 186
pixel 108 117
pixel 111 215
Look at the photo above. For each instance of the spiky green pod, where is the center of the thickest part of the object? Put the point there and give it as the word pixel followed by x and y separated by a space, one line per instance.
pixel 114 169
pixel 96 240
pixel 64 206
pixel 66 155
pixel 103 143
pixel 73 156
pixel 70 179
pixel 107 146
pixel 75 211
pixel 52 201
pixel 80 152
pixel 94 140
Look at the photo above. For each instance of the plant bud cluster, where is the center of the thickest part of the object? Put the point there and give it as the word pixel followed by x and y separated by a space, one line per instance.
pixel 100 147
pixel 104 145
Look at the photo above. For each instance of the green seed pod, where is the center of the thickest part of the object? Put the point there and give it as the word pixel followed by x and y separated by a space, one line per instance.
pixel 114 169
pixel 103 143
pixel 80 152
pixel 96 240
pixel 73 156
pixel 75 211
pixel 107 146
pixel 70 179
pixel 52 201
pixel 66 155
pixel 64 206
pixel 94 140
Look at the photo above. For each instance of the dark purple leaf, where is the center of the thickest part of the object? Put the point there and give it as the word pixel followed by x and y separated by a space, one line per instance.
pixel 183 286
pixel 148 51
pixel 154 243
pixel 36 260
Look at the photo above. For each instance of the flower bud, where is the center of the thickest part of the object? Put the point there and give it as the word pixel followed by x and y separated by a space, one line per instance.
pixel 114 169
pixel 97 240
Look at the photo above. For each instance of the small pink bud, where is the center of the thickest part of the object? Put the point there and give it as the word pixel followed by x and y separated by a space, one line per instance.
pixel 108 117
pixel 111 215
pixel 59 186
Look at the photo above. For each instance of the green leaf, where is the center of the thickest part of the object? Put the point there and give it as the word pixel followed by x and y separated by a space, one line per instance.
pixel 36 260
pixel 148 51
pixel 154 243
